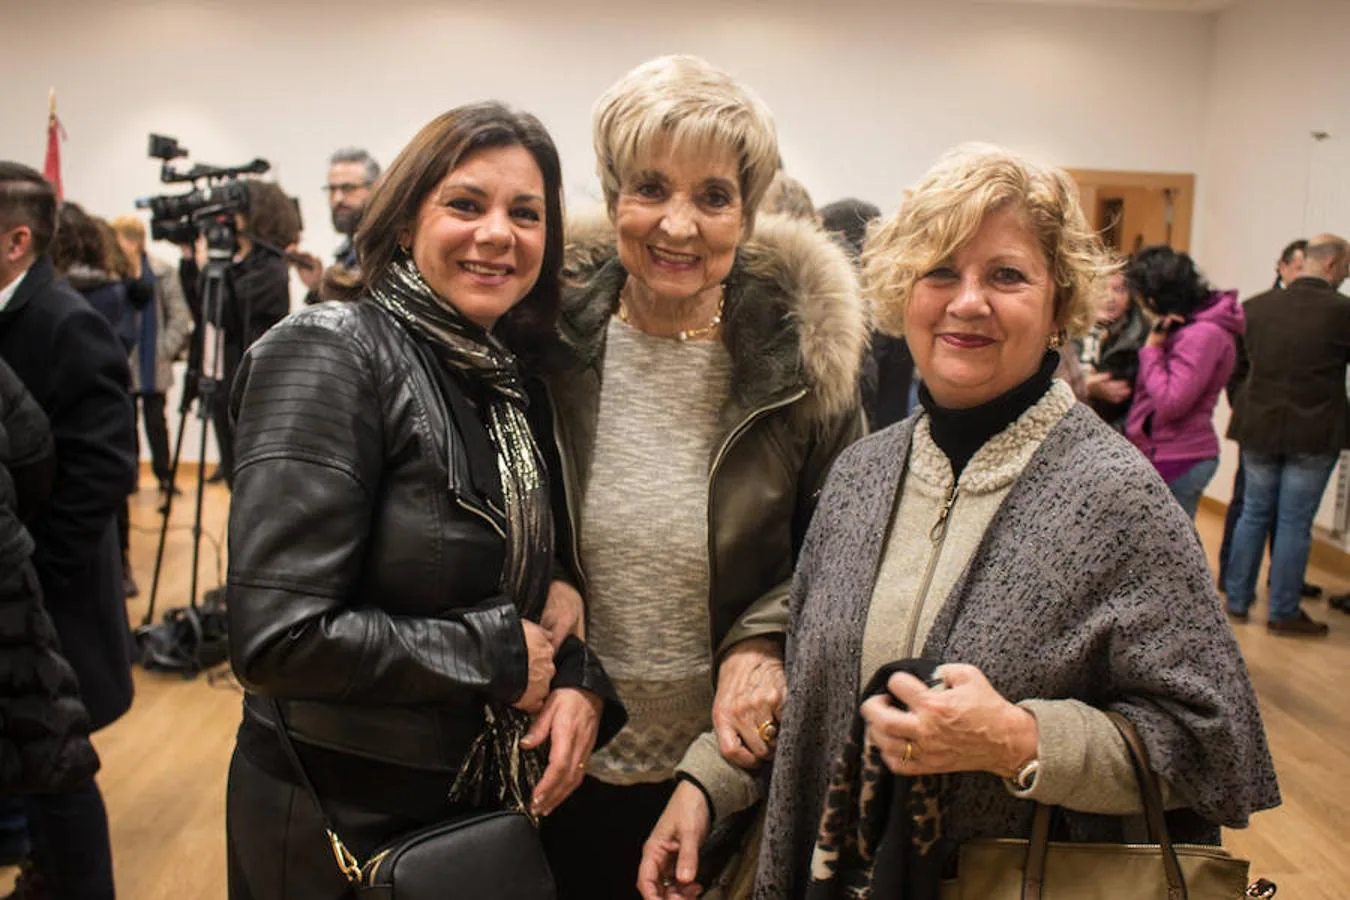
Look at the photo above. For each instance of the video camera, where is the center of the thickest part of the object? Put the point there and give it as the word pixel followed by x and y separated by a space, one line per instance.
pixel 208 209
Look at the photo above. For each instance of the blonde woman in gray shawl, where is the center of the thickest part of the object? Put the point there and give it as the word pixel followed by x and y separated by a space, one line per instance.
pixel 1007 535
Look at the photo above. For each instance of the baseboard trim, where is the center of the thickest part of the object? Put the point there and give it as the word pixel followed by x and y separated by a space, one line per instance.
pixel 1325 553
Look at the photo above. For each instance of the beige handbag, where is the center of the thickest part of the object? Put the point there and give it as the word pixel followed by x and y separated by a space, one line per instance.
pixel 1041 869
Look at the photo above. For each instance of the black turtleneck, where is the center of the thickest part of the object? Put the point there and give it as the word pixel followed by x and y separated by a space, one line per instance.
pixel 960 433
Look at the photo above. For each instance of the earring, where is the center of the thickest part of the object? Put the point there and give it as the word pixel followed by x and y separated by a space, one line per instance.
pixel 1056 340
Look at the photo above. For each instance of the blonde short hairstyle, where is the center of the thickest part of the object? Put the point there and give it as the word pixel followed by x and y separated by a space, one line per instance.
pixel 787 196
pixel 693 104
pixel 131 228
pixel 946 209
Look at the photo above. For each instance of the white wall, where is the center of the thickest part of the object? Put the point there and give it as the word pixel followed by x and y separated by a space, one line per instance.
pixel 866 94
pixel 1279 72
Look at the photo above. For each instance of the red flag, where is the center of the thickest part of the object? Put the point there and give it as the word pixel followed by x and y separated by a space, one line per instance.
pixel 51 170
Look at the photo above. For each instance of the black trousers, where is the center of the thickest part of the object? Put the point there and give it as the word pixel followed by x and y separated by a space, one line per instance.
pixel 594 840
pixel 71 848
pixel 157 431
pixel 275 844
pixel 220 420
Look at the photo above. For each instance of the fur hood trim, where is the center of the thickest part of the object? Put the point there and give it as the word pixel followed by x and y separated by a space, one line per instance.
pixel 794 316
pixel 85 278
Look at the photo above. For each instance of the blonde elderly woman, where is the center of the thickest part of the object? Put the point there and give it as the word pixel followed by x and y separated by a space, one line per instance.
pixel 707 380
pixel 1008 536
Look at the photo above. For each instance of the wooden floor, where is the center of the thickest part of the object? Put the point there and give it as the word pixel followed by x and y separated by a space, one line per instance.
pixel 164 763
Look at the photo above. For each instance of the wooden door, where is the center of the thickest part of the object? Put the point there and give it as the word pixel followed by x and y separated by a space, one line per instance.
pixel 1131 210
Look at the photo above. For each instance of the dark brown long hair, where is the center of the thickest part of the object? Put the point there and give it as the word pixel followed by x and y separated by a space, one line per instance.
pixel 272 216
pixel 79 241
pixel 443 144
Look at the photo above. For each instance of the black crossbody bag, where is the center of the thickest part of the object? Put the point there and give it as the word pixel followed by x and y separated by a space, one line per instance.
pixel 496 855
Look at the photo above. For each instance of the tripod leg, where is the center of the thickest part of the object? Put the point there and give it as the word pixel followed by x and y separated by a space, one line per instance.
pixel 168 510
pixel 205 403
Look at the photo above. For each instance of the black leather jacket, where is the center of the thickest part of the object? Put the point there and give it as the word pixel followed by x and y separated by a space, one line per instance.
pixel 364 573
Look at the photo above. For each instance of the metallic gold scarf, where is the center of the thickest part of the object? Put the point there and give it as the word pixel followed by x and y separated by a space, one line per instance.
pixel 495 771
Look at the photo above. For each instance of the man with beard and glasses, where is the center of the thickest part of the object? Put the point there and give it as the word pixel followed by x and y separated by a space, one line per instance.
pixel 352 173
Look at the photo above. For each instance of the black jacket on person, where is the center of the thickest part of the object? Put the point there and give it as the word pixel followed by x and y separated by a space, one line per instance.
pixel 44 744
pixel 1120 358
pixel 257 296
pixel 888 376
pixel 76 369
pixel 1293 398
pixel 365 566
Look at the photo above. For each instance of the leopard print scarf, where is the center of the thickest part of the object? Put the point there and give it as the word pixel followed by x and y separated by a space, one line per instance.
pixel 880 834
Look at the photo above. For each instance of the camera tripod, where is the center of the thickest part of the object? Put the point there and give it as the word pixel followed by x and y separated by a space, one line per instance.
pixel 192 638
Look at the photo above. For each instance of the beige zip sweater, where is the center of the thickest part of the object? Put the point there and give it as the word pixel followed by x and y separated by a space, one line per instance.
pixel 935 531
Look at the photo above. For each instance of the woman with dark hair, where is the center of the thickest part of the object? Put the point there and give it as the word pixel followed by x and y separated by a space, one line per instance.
pixel 391 533
pixel 84 255
pixel 1184 364
pixel 1290 264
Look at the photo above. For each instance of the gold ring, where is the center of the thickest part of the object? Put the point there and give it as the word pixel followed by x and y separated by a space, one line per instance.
pixel 581 767
pixel 768 731
pixel 909 751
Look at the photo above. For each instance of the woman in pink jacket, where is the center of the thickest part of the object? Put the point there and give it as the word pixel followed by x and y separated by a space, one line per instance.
pixel 1182 368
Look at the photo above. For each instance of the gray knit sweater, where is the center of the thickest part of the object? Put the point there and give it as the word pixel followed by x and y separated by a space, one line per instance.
pixel 644 545
pixel 1089 584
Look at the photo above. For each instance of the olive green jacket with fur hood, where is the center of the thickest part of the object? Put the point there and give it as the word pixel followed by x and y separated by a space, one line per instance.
pixel 796 330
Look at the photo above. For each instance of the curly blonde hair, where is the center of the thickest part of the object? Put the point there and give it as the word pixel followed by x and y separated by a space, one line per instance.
pixel 693 104
pixel 946 209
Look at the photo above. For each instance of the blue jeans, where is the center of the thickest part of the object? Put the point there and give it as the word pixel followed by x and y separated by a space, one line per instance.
pixel 1230 521
pixel 1287 489
pixel 1190 487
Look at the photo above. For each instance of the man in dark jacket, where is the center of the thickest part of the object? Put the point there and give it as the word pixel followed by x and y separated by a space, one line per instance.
pixel 888 370
pixel 76 369
pixel 352 173
pixel 1292 420
pixel 1288 267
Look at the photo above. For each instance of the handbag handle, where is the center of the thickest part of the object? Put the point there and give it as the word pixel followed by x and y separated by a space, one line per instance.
pixel 346 860
pixel 1150 792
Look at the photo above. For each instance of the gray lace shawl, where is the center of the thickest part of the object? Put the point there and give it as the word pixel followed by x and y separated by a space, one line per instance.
pixel 1090 584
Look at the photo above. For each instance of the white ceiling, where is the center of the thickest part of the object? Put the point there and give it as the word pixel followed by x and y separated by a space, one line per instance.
pixel 1193 6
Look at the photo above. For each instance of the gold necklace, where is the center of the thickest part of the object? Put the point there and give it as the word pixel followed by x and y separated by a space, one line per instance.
pixel 691 333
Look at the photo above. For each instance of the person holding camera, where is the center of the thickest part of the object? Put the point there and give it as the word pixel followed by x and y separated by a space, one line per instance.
pixel 352 173
pixel 257 294
pixel 1183 367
